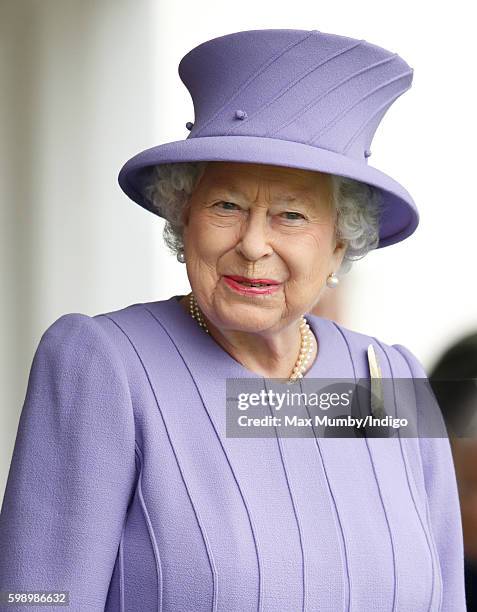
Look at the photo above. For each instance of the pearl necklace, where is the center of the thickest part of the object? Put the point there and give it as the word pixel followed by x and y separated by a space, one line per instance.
pixel 307 338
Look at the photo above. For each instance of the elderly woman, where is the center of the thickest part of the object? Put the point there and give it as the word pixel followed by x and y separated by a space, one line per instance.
pixel 125 490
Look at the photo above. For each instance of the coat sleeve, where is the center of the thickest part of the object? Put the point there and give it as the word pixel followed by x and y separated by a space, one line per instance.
pixel 442 493
pixel 72 472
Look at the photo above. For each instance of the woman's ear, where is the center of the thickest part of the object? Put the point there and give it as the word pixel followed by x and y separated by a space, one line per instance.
pixel 185 214
pixel 338 254
pixel 341 247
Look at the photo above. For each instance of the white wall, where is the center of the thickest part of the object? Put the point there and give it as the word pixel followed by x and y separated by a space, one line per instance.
pixel 87 84
pixel 77 101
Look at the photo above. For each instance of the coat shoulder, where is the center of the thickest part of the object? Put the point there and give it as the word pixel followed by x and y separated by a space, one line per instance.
pixel 397 357
pixel 356 338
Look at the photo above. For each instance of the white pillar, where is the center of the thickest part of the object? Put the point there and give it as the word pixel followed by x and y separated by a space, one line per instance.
pixel 78 97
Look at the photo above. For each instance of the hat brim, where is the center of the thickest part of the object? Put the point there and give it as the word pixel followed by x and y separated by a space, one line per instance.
pixel 399 218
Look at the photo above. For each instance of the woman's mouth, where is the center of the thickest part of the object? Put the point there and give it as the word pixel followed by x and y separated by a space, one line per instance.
pixel 252 286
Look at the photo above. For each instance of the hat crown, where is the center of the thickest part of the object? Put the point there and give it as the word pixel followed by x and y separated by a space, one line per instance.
pixel 323 90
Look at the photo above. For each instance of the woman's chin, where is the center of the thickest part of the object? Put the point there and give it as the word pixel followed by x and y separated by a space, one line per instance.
pixel 246 316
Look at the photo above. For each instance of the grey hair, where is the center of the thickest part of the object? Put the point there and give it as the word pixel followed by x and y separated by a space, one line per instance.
pixel 357 205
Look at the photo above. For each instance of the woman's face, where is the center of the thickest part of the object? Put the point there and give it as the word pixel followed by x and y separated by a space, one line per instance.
pixel 259 222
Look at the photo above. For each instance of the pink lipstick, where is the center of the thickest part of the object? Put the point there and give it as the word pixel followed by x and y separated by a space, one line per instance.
pixel 252 286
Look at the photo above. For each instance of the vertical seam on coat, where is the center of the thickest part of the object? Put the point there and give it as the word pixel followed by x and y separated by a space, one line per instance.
pixel 121 570
pixel 242 494
pixel 391 535
pixel 150 529
pixel 300 533
pixel 194 508
pixel 410 479
pixel 373 468
pixel 337 518
pixel 141 499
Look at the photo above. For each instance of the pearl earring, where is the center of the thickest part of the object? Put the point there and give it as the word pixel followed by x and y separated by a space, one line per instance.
pixel 332 281
pixel 181 256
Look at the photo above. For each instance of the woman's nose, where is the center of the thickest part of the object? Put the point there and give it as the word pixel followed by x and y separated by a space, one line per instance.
pixel 254 240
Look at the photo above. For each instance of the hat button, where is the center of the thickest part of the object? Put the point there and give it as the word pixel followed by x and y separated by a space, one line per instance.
pixel 367 153
pixel 240 114
pixel 189 125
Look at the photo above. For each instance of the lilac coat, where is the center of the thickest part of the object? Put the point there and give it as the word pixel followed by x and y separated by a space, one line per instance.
pixel 124 490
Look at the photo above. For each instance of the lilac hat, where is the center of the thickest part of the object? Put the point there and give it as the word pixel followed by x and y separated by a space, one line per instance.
pixel 295 98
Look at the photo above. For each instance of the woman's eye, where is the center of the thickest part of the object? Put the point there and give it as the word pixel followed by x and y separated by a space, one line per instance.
pixel 222 205
pixel 292 216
